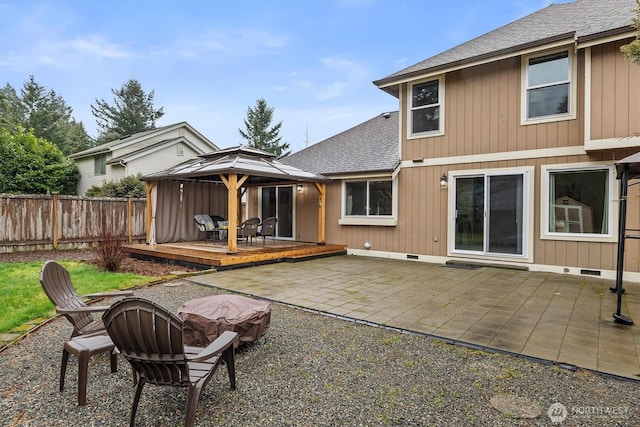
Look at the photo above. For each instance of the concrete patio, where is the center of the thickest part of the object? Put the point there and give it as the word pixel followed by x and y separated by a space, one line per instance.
pixel 566 320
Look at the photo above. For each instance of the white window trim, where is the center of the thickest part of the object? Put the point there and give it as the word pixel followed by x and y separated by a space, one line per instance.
pixel 386 221
pixel 573 88
pixel 441 101
pixel 545 234
pixel 527 210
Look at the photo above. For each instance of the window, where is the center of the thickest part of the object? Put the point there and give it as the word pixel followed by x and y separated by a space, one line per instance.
pixel 426 107
pixel 547 83
pixel 369 198
pixel 578 201
pixel 100 165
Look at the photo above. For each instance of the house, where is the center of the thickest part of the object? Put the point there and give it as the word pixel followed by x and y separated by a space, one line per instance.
pixel 141 153
pixel 507 145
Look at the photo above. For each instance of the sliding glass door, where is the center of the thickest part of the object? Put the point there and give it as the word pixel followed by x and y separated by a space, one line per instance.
pixel 278 202
pixel 489 214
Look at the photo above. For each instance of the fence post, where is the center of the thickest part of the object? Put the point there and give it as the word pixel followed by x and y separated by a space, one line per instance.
pixel 54 220
pixel 130 219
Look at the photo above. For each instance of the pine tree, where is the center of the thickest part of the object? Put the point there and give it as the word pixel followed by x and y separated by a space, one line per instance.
pixel 260 134
pixel 632 50
pixel 45 113
pixel 132 111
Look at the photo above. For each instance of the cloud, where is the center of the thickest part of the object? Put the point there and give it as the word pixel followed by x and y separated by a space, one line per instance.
pixel 348 74
pixel 232 43
pixel 67 54
pixel 97 47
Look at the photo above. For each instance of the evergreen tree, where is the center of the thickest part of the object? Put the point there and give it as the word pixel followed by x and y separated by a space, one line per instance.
pixel 260 134
pixel 12 111
pixel 132 111
pixel 45 113
pixel 632 50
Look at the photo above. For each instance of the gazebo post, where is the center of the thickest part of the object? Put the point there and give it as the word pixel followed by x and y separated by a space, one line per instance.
pixel 232 211
pixel 322 190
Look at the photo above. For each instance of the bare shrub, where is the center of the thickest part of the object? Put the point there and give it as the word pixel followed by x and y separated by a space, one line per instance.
pixel 111 252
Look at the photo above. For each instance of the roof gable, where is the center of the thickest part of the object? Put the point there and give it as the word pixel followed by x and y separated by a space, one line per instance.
pixel 369 147
pixel 134 141
pixel 579 21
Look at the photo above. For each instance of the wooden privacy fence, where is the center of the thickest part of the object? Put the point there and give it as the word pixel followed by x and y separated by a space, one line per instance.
pixel 42 222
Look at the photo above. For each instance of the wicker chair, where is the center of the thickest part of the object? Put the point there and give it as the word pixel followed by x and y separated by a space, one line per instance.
pixel 150 338
pixel 268 228
pixel 249 229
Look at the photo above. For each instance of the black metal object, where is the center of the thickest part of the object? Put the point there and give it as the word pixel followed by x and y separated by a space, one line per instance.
pixel 623 175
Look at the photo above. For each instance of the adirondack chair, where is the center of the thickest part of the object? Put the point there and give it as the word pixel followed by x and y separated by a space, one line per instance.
pixel 89 336
pixel 150 338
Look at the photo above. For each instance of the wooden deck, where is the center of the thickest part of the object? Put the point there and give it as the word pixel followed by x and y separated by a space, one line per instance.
pixel 214 254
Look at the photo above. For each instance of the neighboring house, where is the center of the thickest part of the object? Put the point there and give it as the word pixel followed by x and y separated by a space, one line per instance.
pixel 141 153
pixel 506 144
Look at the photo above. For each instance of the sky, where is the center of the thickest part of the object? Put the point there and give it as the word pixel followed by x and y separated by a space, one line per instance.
pixel 207 62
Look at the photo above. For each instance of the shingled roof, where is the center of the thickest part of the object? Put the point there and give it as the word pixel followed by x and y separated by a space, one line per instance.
pixel 369 147
pixel 582 20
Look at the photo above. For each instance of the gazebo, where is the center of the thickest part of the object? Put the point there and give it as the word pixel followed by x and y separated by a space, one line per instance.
pixel 236 168
pixel 628 170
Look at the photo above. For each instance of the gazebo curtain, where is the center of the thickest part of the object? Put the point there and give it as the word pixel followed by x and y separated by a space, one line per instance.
pixel 154 206
pixel 178 202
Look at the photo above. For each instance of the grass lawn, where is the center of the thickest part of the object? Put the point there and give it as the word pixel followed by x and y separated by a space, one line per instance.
pixel 22 298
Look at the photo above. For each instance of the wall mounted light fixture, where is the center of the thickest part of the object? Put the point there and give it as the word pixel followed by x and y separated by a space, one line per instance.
pixel 300 188
pixel 443 180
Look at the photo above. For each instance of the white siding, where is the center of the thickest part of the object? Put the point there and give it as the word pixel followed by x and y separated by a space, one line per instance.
pixel 160 160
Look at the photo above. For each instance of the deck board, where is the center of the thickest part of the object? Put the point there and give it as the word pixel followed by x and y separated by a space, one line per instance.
pixel 210 254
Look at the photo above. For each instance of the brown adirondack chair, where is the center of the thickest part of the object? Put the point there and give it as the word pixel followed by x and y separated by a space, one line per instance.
pixel 89 336
pixel 150 338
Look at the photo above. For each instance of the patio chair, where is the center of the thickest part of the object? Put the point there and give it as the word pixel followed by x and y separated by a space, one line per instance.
pixel 268 228
pixel 56 283
pixel 213 224
pixel 205 223
pixel 249 229
pixel 150 338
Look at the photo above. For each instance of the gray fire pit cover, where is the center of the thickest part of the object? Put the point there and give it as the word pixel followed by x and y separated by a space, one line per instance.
pixel 204 319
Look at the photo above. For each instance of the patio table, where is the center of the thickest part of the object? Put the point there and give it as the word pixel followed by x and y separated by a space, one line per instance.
pixel 206 318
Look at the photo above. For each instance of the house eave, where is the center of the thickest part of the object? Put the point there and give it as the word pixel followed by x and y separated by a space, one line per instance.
pixel 391 84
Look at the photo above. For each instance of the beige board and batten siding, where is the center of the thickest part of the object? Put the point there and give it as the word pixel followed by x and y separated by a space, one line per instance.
pixel 482 105
pixel 615 102
pixel 306 221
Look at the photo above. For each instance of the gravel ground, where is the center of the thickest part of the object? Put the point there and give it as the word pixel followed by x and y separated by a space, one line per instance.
pixel 314 370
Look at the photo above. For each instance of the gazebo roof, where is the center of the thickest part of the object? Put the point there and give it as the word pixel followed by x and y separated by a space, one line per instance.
pixel 634 166
pixel 260 166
